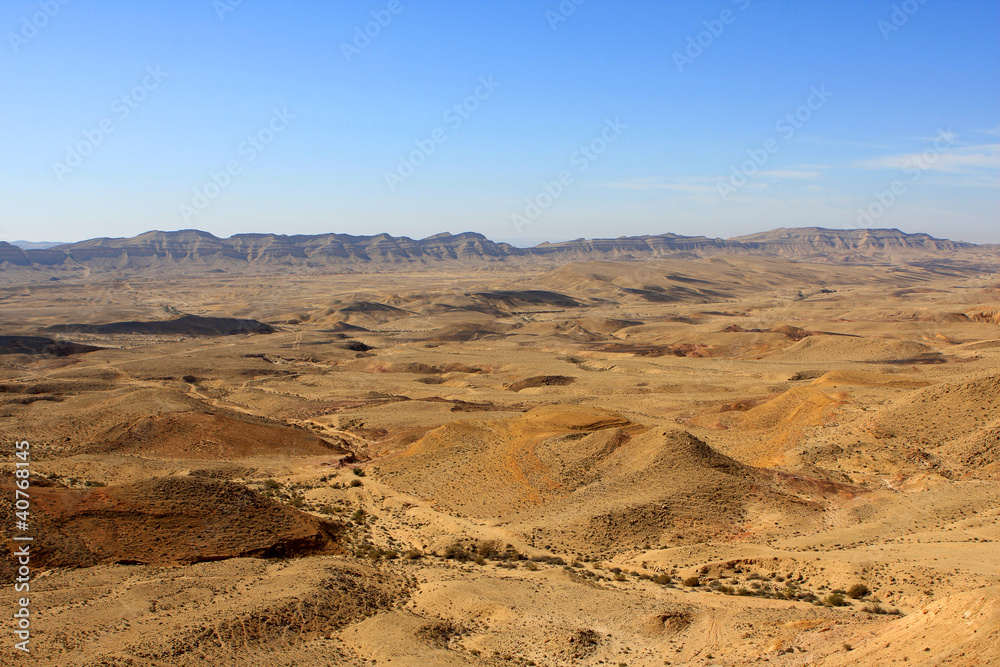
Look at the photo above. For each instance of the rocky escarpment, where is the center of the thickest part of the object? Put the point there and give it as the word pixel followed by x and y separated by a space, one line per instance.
pixel 196 251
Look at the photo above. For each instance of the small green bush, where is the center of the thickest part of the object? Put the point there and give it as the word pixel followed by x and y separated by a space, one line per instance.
pixel 359 472
pixel 272 484
pixel 692 582
pixel 355 483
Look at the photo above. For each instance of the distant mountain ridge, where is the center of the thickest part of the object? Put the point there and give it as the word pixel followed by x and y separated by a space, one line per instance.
pixel 194 251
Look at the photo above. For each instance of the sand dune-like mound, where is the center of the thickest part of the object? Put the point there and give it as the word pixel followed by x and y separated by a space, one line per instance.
pixel 43 346
pixel 605 325
pixel 956 420
pixel 164 520
pixel 344 327
pixel 464 332
pixel 661 486
pixel 586 478
pixel 188 325
pixel 202 436
pixel 783 420
pixel 541 381
pixel 961 630
pixel 532 299
pixel 561 330
pixel 360 314
pixel 488 468
pixel 873 350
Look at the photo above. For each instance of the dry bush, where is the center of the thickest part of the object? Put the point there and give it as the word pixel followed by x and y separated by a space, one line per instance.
pixel 858 591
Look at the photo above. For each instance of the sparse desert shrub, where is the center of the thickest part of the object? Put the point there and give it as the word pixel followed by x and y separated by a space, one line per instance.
pixel 662 579
pixel 531 565
pixel 456 551
pixel 488 548
pixel 358 516
pixel 297 501
pixel 439 632
pixel 510 553
pixel 877 608
pixel 358 471
pixel 355 483
pixel 743 591
pixel 835 600
pixel 692 582
pixel 272 484
pixel 326 509
pixel 858 591
pixel 413 554
pixel 553 560
pixel 619 577
pixel 479 560
pixel 754 576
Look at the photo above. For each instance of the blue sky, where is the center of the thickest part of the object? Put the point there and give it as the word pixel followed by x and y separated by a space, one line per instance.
pixel 596 119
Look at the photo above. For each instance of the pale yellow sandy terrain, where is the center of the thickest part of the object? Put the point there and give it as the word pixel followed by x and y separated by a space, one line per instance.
pixel 723 461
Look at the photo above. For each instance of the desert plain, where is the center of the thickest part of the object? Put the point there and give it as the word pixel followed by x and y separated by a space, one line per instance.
pixel 720 460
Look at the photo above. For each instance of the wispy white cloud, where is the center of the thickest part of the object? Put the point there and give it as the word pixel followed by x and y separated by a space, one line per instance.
pixel 970 160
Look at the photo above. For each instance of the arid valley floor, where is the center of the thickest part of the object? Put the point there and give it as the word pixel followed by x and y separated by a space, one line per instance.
pixel 721 461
